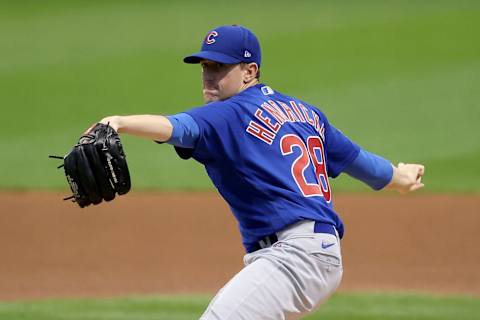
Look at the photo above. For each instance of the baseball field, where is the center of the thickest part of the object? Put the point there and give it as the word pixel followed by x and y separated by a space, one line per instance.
pixel 401 78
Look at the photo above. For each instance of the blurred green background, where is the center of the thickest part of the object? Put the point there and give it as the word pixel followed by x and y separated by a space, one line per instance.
pixel 401 78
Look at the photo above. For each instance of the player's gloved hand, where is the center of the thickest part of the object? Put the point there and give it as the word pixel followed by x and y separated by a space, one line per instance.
pixel 96 167
pixel 407 177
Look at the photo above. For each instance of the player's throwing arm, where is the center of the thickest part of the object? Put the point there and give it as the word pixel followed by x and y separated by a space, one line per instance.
pixel 271 156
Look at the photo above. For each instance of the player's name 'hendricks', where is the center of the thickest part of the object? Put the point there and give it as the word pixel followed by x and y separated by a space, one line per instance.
pixel 282 113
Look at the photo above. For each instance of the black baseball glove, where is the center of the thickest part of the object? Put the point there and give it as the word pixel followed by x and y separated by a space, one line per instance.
pixel 96 168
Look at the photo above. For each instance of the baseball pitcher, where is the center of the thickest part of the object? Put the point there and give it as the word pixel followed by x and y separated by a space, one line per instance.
pixel 270 156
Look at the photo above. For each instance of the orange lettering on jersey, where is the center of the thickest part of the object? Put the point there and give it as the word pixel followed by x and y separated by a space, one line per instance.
pixel 267 121
pixel 260 132
pixel 321 132
pixel 275 111
pixel 305 113
pixel 297 111
pixel 291 116
pixel 316 122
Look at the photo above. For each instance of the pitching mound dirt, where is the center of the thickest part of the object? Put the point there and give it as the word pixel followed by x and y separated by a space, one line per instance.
pixel 188 242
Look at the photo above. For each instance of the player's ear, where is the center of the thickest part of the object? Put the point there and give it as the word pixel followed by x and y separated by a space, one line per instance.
pixel 251 70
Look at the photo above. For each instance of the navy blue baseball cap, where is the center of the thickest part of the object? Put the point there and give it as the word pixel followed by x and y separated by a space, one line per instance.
pixel 230 45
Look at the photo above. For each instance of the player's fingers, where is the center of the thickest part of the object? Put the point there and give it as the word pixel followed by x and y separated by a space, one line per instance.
pixel 421 170
pixel 416 186
pixel 420 173
pixel 419 177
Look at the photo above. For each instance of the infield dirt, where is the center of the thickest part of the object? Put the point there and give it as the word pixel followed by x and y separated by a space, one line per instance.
pixel 188 243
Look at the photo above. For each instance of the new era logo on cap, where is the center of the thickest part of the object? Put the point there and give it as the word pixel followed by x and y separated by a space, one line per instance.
pixel 247 54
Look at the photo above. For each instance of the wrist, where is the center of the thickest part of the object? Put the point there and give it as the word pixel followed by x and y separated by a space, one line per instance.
pixel 398 180
pixel 391 183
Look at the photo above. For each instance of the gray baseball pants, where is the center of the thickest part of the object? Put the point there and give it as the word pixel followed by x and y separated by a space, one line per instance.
pixel 290 279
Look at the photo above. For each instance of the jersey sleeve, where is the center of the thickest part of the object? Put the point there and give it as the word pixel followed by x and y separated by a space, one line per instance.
pixel 341 151
pixel 371 169
pixel 185 130
pixel 213 122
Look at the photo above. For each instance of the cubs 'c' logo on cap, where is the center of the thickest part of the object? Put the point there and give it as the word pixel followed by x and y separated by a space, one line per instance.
pixel 210 38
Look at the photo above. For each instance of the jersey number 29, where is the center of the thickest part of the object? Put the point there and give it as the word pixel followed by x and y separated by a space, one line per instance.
pixel 307 154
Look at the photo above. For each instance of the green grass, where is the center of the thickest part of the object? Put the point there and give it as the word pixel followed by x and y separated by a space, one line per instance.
pixel 353 306
pixel 399 77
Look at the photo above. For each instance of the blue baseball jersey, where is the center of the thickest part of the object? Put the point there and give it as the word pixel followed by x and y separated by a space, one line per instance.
pixel 270 156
